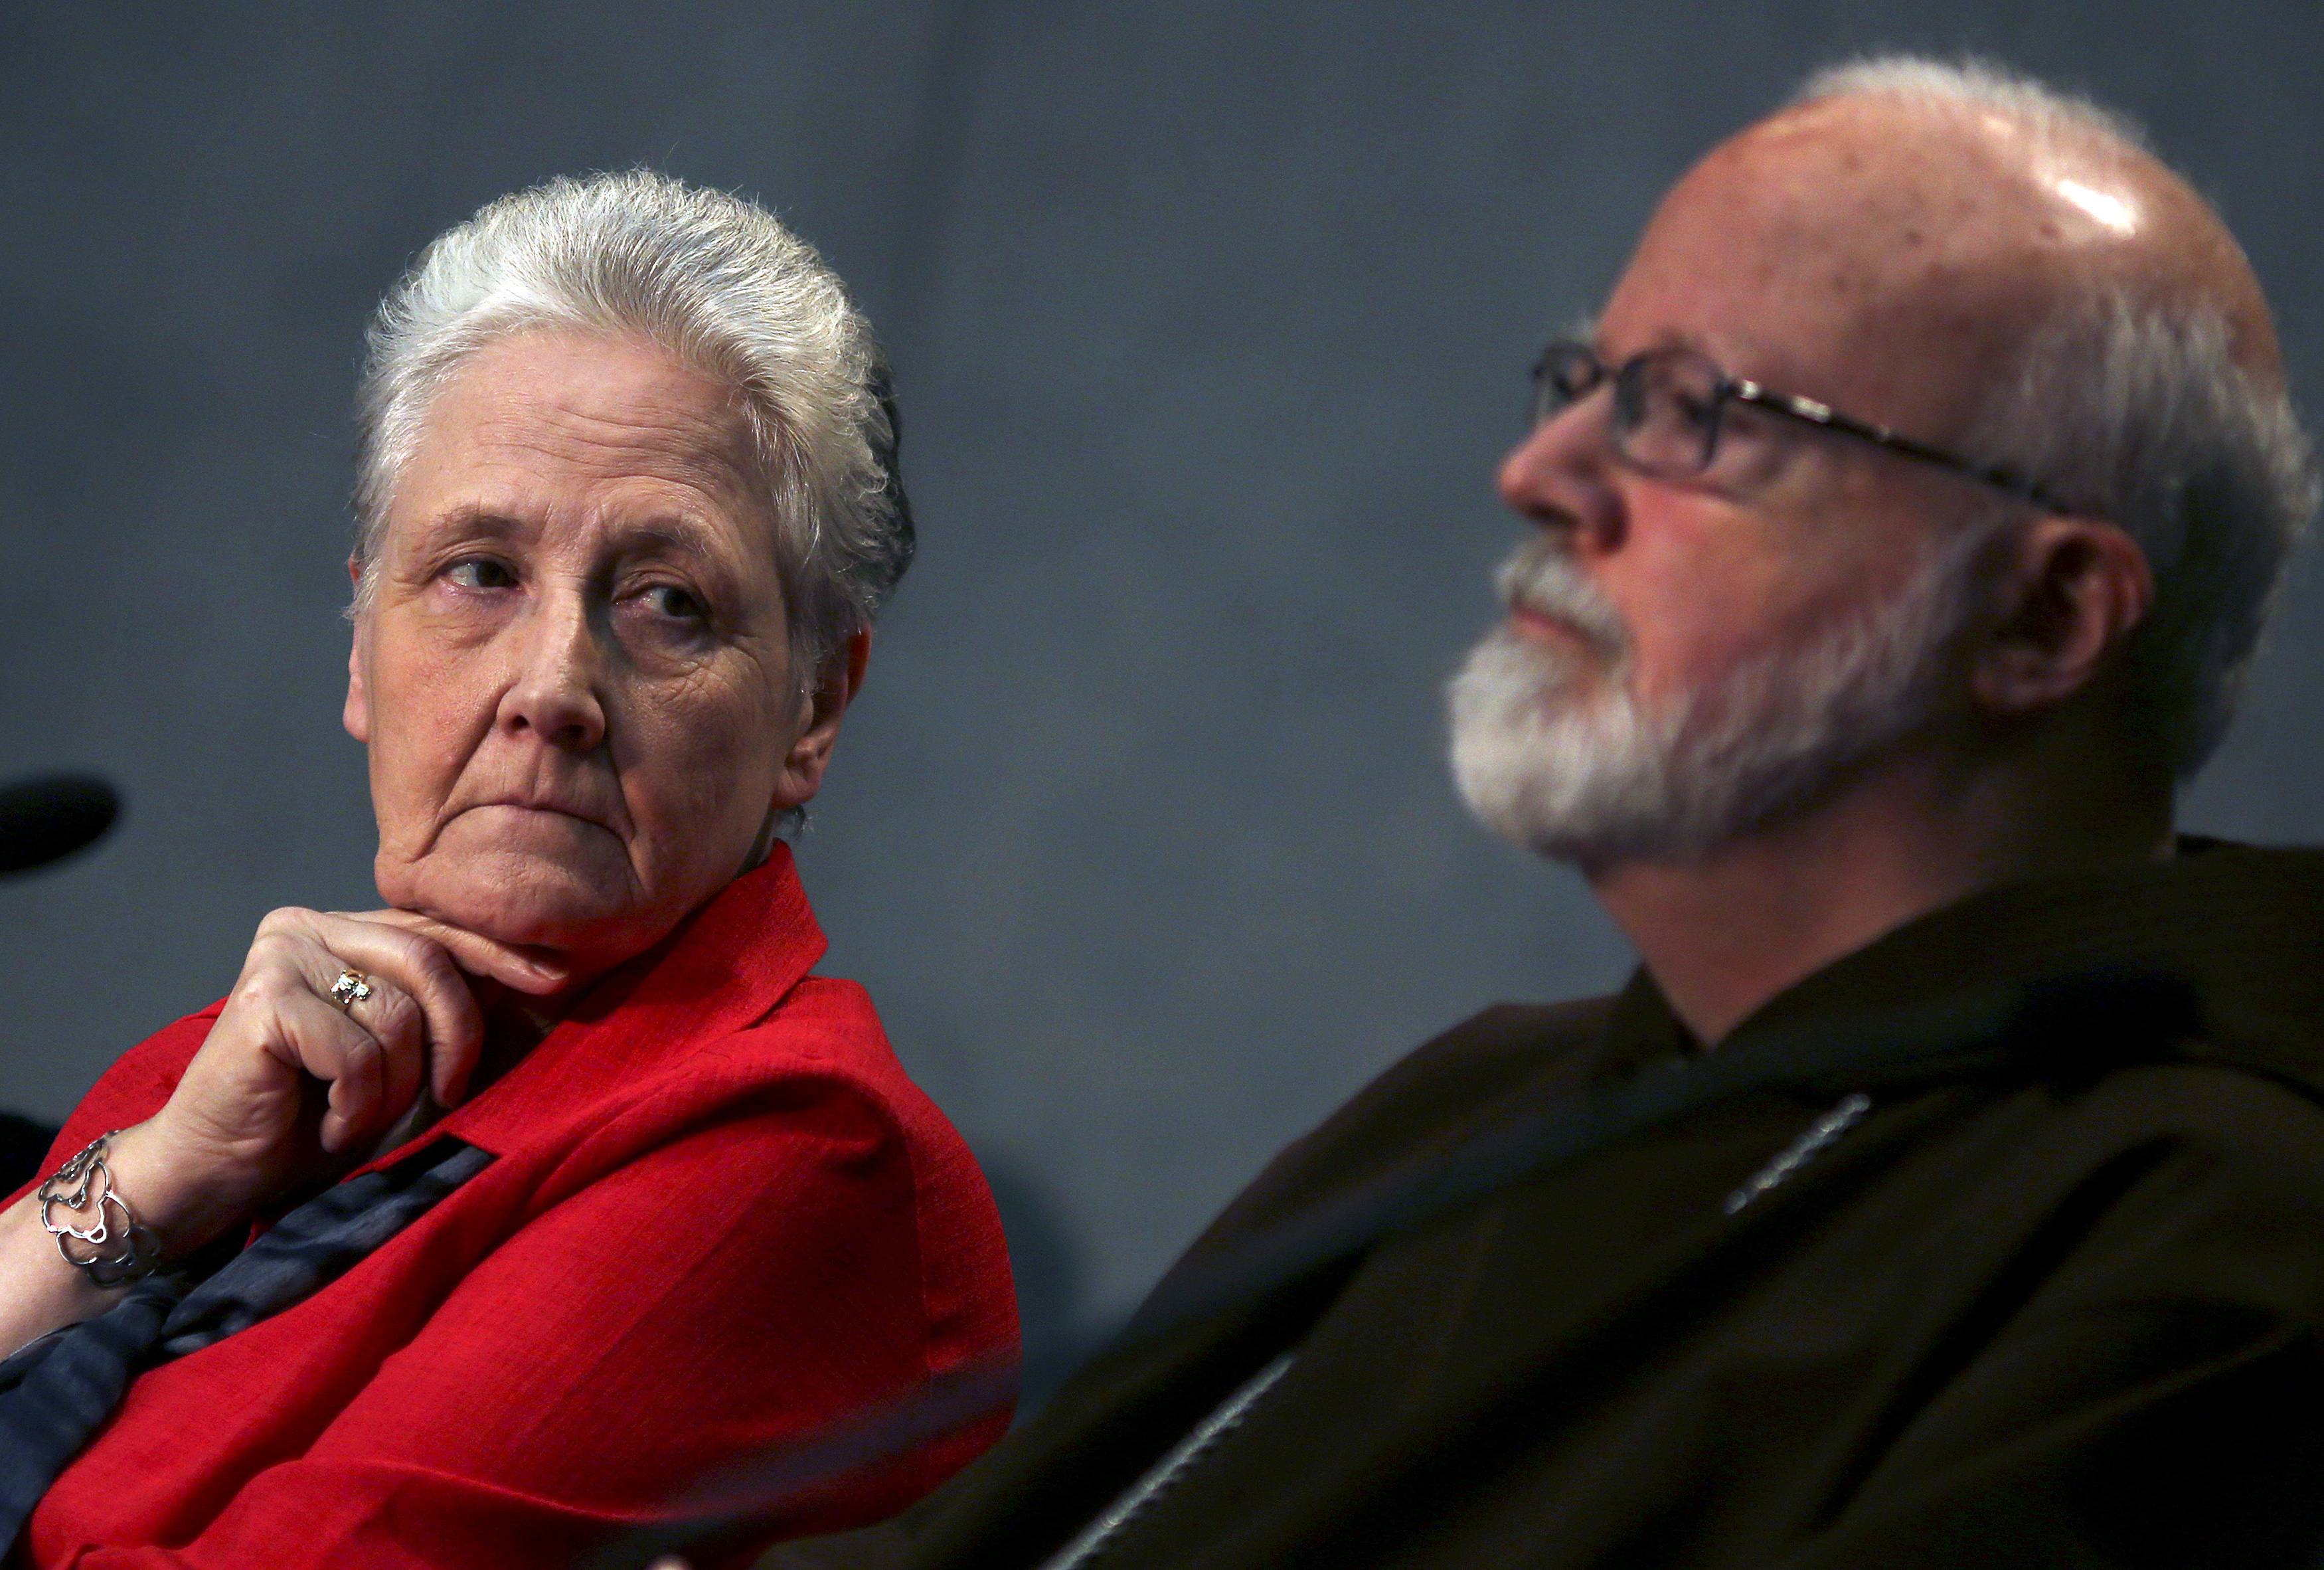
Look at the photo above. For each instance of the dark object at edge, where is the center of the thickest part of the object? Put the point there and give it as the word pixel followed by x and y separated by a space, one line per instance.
pixel 23 1147
pixel 48 818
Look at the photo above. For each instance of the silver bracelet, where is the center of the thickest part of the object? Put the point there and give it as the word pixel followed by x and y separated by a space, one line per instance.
pixel 118 1248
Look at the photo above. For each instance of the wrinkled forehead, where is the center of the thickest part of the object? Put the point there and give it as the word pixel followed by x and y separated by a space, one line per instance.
pixel 573 423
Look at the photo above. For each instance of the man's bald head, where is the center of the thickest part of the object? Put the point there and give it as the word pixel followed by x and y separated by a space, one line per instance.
pixel 2063 194
pixel 1990 266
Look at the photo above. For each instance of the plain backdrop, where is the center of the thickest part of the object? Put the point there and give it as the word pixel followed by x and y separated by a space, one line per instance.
pixel 1210 322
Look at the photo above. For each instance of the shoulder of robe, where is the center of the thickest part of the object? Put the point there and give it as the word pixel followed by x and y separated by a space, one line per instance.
pixel 1491 1069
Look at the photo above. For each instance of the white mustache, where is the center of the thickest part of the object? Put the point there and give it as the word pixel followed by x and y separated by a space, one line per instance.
pixel 1542 581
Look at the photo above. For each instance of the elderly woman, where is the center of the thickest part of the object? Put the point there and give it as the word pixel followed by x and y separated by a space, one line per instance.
pixel 568 1182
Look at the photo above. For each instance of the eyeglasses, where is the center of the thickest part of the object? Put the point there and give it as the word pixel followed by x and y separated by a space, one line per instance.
pixel 1669 404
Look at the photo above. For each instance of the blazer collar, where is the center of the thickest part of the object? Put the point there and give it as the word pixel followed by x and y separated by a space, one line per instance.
pixel 722 970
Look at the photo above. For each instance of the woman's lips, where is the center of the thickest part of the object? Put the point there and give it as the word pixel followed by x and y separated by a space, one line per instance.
pixel 550 809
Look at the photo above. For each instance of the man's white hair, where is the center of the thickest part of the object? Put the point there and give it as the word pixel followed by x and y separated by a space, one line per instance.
pixel 727 290
pixel 2134 408
pixel 1554 748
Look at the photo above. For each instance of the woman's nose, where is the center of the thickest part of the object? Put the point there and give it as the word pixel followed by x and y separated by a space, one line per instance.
pixel 555 692
pixel 1561 476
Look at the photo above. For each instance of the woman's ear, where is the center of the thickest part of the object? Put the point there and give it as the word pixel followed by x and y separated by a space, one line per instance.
pixel 2067 598
pixel 357 716
pixel 834 689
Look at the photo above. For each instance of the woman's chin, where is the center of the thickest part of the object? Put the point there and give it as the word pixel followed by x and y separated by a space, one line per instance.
pixel 598 917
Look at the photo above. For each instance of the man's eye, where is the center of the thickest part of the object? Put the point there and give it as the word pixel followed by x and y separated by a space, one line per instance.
pixel 479 572
pixel 1693 410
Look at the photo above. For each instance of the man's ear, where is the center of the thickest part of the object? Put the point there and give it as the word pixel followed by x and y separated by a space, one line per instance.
pixel 2070 594
pixel 357 716
pixel 835 687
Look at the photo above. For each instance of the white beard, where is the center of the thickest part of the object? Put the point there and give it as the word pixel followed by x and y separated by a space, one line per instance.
pixel 1553 751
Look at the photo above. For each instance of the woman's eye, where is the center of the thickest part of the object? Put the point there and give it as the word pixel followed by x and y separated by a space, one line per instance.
pixel 478 572
pixel 669 599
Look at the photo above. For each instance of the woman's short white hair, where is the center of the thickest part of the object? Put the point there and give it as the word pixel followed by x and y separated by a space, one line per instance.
pixel 726 290
pixel 2136 408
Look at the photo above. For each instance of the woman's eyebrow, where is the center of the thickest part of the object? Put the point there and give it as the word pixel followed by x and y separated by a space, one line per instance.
pixel 678 534
pixel 475 522
pixel 682 535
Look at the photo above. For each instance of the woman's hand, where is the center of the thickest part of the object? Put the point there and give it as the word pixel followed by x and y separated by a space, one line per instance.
pixel 289 1084
pixel 286 1088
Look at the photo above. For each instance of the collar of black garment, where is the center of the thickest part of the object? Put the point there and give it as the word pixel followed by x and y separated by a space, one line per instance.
pixel 2236 926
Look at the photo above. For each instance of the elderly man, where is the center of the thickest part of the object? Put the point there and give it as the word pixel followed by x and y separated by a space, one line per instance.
pixel 1948 1187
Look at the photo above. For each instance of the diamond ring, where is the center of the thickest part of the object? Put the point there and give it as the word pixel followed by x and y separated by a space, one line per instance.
pixel 351 988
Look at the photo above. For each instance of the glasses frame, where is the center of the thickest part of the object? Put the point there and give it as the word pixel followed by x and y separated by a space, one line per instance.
pixel 1628 380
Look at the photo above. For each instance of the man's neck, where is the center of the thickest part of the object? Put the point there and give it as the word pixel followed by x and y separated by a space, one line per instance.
pixel 1723 934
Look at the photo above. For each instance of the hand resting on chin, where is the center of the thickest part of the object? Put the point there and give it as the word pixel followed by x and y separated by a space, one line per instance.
pixel 288 1092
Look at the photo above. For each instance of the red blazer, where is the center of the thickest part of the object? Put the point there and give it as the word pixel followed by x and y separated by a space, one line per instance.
pixel 721 1218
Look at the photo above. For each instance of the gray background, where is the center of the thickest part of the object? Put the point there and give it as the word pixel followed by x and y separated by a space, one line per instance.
pixel 1210 321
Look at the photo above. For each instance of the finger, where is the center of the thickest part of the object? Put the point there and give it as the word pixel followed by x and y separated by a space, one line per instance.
pixel 314 1037
pixel 452 1029
pixel 523 970
pixel 397 1022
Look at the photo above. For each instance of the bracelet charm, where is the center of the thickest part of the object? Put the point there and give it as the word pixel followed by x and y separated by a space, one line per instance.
pixel 94 1229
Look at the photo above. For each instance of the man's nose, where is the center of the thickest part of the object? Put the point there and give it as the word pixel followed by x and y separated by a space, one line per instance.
pixel 1561 476
pixel 555 693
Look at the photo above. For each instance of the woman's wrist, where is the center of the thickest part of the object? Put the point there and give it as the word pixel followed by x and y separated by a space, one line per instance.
pixel 182 1199
pixel 158 1185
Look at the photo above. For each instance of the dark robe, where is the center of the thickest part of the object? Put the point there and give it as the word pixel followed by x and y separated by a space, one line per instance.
pixel 2053 1299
